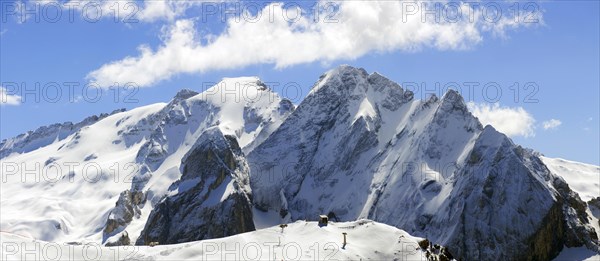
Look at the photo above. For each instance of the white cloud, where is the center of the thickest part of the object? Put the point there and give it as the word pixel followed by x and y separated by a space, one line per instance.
pixel 362 27
pixel 8 99
pixel 169 10
pixel 156 10
pixel 551 124
pixel 510 121
pixel 20 15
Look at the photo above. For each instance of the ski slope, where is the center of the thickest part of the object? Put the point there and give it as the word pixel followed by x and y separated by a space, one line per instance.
pixel 301 240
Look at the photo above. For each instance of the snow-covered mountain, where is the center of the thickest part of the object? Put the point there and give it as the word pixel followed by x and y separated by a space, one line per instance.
pixel 360 147
pixel 237 157
pixel 104 179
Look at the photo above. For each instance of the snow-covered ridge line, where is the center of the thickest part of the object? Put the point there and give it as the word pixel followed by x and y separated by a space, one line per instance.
pixel 45 135
pixel 300 240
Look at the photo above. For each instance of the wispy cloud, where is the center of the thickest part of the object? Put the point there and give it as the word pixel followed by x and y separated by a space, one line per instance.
pixel 510 121
pixel 359 28
pixel 551 124
pixel 588 128
pixel 8 99
pixel 166 10
pixel 20 13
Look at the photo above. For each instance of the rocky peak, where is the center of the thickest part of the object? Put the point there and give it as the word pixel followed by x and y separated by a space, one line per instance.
pixel 346 84
pixel 184 94
pixel 342 80
pixel 381 81
pixel 346 69
pixel 217 144
pixel 453 100
pixel 490 136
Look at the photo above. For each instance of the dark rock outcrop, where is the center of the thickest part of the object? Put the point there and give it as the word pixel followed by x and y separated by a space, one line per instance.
pixel 212 198
pixel 123 240
pixel 564 225
pixel 127 206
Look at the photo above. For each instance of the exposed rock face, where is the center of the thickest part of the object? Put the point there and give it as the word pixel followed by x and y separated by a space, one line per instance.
pixel 576 220
pixel 212 199
pixel 127 206
pixel 123 240
pixel 506 192
pixel 359 146
pixel 595 202
pixel 176 127
pixel 564 225
pixel 435 252
pixel 594 208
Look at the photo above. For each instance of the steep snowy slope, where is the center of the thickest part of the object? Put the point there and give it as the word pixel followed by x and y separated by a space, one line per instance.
pixel 366 240
pixel 359 146
pixel 582 178
pixel 66 189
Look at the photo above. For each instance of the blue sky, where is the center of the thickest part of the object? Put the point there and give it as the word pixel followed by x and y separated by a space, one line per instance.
pixel 559 54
